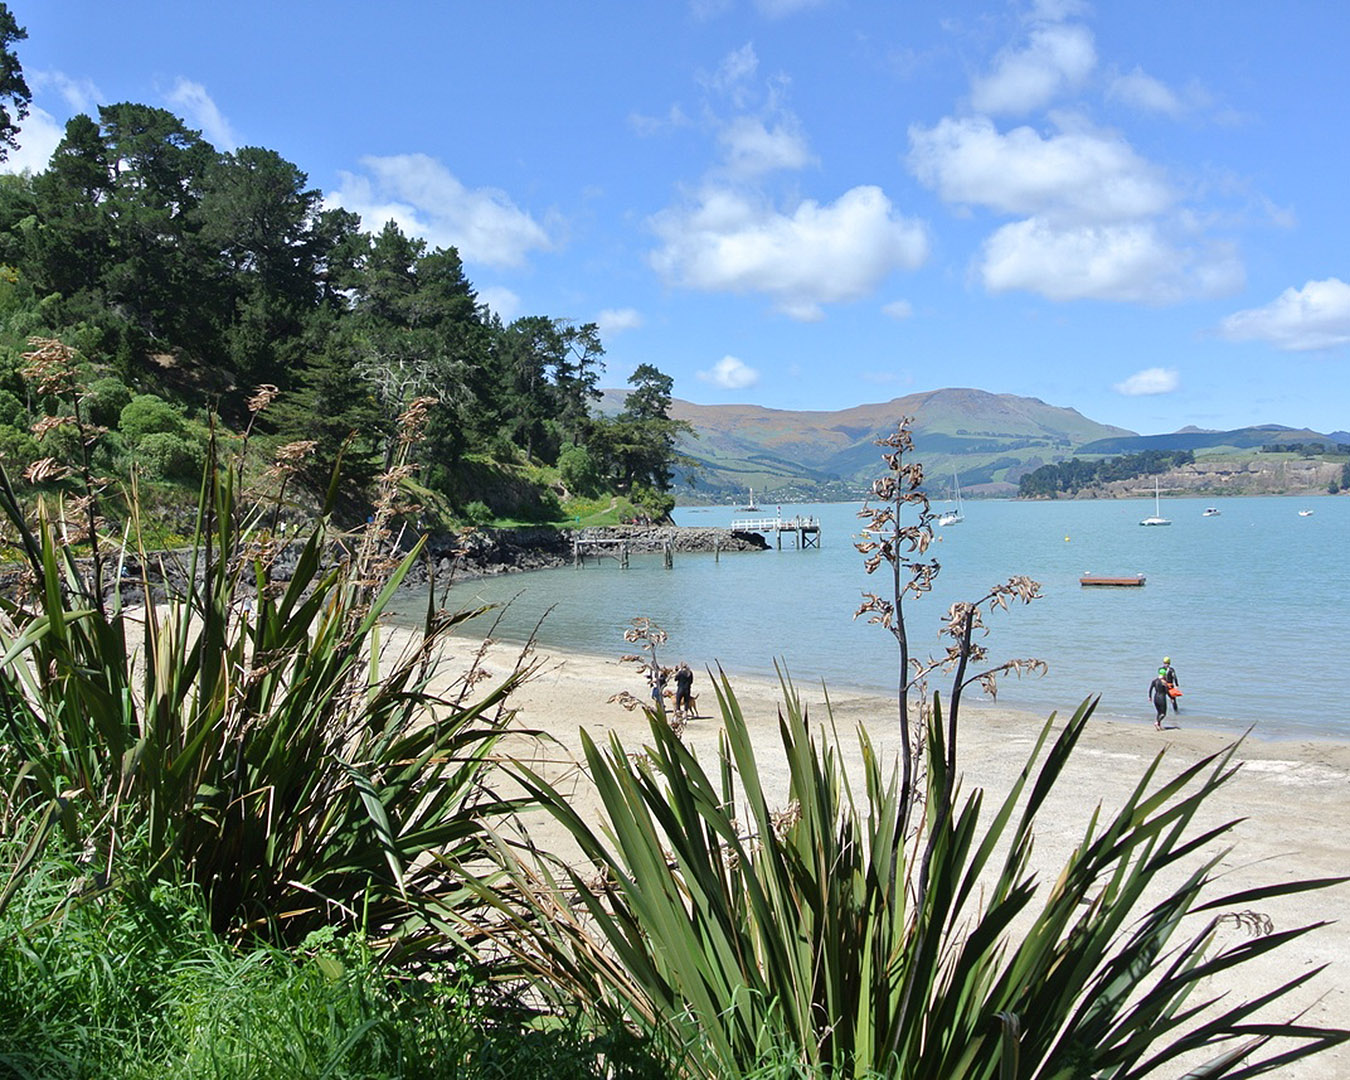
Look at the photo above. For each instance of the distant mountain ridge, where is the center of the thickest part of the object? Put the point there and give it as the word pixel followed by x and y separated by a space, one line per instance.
pixel 988 440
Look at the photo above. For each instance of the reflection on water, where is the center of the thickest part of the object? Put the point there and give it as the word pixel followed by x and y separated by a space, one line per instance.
pixel 1250 605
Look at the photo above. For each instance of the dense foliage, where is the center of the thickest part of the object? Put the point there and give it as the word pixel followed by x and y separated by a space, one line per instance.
pixel 1068 477
pixel 189 276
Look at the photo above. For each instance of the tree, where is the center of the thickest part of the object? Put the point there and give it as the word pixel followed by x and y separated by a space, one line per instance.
pixel 640 442
pixel 13 86
pixel 73 242
pixel 259 220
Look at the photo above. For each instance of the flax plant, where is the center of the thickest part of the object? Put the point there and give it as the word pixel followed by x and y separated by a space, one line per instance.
pixel 246 725
pixel 851 926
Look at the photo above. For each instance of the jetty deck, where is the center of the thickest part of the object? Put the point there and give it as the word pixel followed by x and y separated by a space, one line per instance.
pixel 805 529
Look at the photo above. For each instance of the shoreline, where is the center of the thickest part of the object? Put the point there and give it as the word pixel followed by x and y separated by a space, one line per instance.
pixel 1283 801
pixel 975 703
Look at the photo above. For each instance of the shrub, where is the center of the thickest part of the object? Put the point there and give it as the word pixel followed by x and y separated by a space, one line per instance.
pixel 13 412
pixel 478 513
pixel 17 449
pixel 166 456
pixel 148 414
pixel 104 399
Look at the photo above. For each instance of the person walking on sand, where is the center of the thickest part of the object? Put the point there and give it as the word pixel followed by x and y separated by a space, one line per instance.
pixel 1157 690
pixel 1169 674
pixel 684 684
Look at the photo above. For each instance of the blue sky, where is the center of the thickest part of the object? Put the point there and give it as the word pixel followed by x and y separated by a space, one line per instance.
pixel 1138 210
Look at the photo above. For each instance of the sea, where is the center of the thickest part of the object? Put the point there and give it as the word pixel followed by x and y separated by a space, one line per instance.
pixel 1252 605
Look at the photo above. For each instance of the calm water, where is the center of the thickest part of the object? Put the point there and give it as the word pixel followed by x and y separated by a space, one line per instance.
pixel 1251 606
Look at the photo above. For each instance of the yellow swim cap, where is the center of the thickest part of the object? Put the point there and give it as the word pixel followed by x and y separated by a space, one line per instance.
pixel 1167 659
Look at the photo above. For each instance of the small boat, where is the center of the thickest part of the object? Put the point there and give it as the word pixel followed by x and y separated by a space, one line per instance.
pixel 1157 518
pixel 1305 513
pixel 1112 582
pixel 1211 511
pixel 953 517
pixel 752 506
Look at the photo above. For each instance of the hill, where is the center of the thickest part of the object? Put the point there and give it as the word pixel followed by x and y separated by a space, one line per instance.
pixel 989 440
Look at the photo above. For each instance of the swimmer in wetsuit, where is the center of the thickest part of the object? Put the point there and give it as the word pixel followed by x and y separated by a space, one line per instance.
pixel 1157 690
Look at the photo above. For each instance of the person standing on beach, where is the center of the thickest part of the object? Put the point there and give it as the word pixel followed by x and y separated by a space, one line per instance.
pixel 1157 690
pixel 657 677
pixel 684 684
pixel 1169 674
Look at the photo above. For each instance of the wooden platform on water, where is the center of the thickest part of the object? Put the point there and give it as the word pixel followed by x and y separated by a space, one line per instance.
pixel 1112 582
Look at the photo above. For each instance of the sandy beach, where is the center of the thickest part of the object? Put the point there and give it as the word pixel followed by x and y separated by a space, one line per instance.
pixel 1289 797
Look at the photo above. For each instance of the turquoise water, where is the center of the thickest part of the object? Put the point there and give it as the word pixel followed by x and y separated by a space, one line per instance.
pixel 1251 606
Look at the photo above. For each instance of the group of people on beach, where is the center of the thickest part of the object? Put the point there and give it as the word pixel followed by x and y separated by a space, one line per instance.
pixel 1165 687
pixel 685 703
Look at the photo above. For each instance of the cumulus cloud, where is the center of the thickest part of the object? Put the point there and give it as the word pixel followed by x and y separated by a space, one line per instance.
pixel 38 137
pixel 731 373
pixel 752 148
pixel 617 320
pixel 1316 316
pixel 425 199
pixel 1132 261
pixel 899 310
pixel 1077 175
pixel 194 104
pixel 1055 58
pixel 1154 380
pixel 818 254
pixel 501 300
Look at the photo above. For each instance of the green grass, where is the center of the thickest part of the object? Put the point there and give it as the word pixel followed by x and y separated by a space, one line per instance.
pixel 132 984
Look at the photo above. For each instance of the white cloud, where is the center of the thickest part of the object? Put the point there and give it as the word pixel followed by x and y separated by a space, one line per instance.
pixel 196 107
pixel 1077 175
pixel 1132 261
pixel 816 255
pixel 1144 92
pixel 502 301
pixel 752 149
pixel 80 95
pixel 422 196
pixel 735 69
pixel 1316 316
pixel 617 320
pixel 1154 380
pixel 38 137
pixel 1055 59
pixel 731 373
pixel 898 310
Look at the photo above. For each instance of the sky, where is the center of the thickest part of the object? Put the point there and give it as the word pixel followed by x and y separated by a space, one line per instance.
pixel 1135 209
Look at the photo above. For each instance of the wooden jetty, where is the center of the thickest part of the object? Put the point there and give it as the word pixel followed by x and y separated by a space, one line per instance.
pixel 1112 582
pixel 610 548
pixel 805 529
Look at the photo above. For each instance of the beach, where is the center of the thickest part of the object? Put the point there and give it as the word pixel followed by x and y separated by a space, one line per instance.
pixel 1288 797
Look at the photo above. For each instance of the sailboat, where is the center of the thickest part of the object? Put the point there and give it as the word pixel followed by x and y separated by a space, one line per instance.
pixel 751 505
pixel 1157 518
pixel 953 517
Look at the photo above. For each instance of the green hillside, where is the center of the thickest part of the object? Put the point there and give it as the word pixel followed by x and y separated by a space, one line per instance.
pixel 988 440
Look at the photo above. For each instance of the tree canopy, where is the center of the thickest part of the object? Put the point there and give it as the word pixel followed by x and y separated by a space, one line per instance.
pixel 197 275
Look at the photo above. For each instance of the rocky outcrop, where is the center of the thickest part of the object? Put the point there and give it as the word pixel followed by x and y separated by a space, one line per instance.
pixel 653 538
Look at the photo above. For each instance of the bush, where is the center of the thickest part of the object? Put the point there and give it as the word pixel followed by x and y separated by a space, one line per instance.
pixel 17 449
pixel 578 470
pixel 165 456
pixel 13 412
pixel 149 414
pixel 478 513
pixel 104 400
